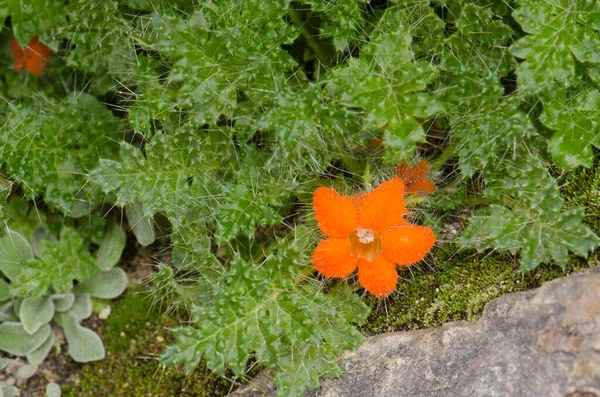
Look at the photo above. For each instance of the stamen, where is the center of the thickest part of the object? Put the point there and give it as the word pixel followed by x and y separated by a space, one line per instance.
pixel 365 236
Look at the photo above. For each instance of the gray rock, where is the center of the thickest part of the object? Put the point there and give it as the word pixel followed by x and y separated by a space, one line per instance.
pixel 544 342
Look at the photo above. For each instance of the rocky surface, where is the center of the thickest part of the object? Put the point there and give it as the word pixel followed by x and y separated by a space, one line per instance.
pixel 544 342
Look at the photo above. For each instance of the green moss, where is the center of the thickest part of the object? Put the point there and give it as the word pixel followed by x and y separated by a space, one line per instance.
pixel 581 188
pixel 135 336
pixel 458 289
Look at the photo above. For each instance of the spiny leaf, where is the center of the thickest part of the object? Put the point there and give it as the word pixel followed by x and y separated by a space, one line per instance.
pixel 558 35
pixel 576 119
pixel 385 81
pixel 480 42
pixel 343 21
pixel 50 147
pixel 535 223
pixel 256 310
pixel 482 112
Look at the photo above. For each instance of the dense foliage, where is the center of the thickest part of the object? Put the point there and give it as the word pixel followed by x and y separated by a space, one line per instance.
pixel 210 123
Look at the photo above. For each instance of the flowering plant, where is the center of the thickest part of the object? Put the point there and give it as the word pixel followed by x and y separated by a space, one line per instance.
pixel 368 231
pixel 215 122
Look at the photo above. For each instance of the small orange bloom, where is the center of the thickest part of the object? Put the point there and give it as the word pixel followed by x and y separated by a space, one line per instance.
pixel 415 177
pixel 368 231
pixel 35 57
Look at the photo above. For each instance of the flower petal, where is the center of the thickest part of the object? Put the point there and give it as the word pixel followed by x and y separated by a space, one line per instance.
pixel 378 277
pixel 420 186
pixel 37 57
pixel 335 214
pixel 332 258
pixel 408 244
pixel 384 207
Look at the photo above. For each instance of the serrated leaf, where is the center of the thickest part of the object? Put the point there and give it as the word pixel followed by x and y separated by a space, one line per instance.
pixel 390 96
pixel 14 340
pixel 50 146
pixel 557 37
pixel 84 344
pixel 58 264
pixel 104 285
pixel 343 21
pixel 541 239
pixel 480 42
pixel 35 312
pixel 261 311
pixel 576 120
pixel 309 128
pixel 14 249
pixel 480 111
pixel 110 249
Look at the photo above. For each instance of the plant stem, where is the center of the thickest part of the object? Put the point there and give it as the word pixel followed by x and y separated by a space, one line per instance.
pixel 310 39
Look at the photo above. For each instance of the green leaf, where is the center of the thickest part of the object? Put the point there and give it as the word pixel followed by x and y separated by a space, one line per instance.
pixel 244 206
pixel 559 34
pixel 10 391
pixel 576 119
pixel 480 42
pixel 58 264
pixel 343 21
pixel 541 239
pixel 385 81
pixel 260 309
pixel 14 340
pixel 84 344
pixel 4 291
pixel 159 178
pixel 63 302
pixel 480 110
pixel 104 285
pixel 310 129
pixel 22 218
pixel 82 307
pixel 535 223
pixel 50 146
pixel 14 249
pixel 53 390
pixel 141 226
pixel 7 312
pixel 111 247
pixel 36 312
pixel 218 53
pixel 38 356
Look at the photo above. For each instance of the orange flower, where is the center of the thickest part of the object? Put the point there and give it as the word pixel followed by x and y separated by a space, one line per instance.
pixel 415 177
pixel 35 57
pixel 368 231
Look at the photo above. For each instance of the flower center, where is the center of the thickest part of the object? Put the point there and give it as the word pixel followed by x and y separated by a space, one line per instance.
pixel 365 236
pixel 366 244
